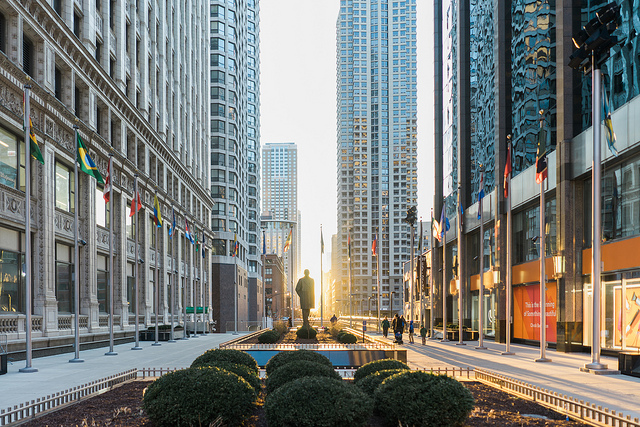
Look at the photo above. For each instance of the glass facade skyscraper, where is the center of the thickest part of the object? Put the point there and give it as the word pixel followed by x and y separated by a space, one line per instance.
pixel 235 158
pixel 376 147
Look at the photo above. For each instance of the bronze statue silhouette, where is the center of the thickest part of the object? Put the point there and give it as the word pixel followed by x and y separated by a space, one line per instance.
pixel 305 290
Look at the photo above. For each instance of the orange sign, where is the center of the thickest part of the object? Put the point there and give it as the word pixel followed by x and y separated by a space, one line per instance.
pixel 526 312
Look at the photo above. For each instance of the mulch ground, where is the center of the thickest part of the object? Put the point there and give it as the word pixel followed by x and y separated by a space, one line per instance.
pixel 122 406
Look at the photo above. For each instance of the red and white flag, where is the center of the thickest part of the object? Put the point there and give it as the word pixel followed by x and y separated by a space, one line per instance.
pixel 106 192
pixel 135 207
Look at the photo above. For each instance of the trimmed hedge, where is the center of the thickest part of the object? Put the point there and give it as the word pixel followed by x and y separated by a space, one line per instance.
pixel 347 338
pixel 199 396
pixel 298 369
pixel 284 357
pixel 306 332
pixel 269 337
pixel 375 366
pixel 318 402
pixel 419 398
pixel 370 383
pixel 240 370
pixel 226 355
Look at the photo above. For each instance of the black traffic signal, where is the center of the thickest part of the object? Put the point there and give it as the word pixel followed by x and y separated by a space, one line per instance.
pixel 412 216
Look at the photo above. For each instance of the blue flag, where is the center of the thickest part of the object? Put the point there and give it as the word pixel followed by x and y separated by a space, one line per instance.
pixel 264 243
pixel 172 227
pixel 480 194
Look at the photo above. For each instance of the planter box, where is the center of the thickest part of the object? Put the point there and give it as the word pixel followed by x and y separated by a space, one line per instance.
pixel 467 335
pixel 629 363
pixel 163 335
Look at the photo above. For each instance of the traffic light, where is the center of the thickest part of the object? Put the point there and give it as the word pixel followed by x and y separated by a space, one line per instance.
pixel 412 215
pixel 596 38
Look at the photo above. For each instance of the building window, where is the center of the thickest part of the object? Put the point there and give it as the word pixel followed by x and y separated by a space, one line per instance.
pixel 11 149
pixel 102 209
pixel 217 93
pixel 3 29
pixel 217 43
pixel 12 292
pixel 64 278
pixel 219 208
pixel 218 175
pixel 218 191
pixel 131 287
pixel 57 6
pixel 103 280
pixel 217 11
pixel 131 233
pixel 57 83
pixel 218 159
pixel 64 188
pixel 217 76
pixel 217 126
pixel 77 24
pixel 217 28
pixel 218 225
pixel 218 247
pixel 152 232
pixel 27 55
pixel 218 110
pixel 217 60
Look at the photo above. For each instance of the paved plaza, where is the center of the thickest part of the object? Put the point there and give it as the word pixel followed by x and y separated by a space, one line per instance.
pixel 620 393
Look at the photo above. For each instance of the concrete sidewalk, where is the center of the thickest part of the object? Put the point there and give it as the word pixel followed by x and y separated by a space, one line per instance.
pixel 620 393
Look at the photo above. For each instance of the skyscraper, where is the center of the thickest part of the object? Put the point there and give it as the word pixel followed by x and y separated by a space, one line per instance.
pixel 280 213
pixel 376 146
pixel 235 156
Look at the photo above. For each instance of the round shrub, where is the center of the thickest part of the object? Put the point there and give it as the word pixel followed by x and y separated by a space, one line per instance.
pixel 298 369
pixel 306 332
pixel 375 366
pixel 347 338
pixel 269 337
pixel 370 383
pixel 240 370
pixel 285 357
pixel 226 355
pixel 318 402
pixel 435 399
pixel 199 396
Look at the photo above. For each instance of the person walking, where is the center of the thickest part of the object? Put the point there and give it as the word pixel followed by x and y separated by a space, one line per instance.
pixel 423 334
pixel 411 331
pixel 385 327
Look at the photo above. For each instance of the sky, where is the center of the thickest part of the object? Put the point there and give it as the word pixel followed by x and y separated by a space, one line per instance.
pixel 298 104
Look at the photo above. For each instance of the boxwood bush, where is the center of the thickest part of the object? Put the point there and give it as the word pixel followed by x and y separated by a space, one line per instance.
pixel 285 357
pixel 199 396
pixel 241 370
pixel 306 332
pixel 375 366
pixel 226 355
pixel 318 402
pixel 370 383
pixel 298 369
pixel 269 337
pixel 347 338
pixel 419 398
pixel 281 327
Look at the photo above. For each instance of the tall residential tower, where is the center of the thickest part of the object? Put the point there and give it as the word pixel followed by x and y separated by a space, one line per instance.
pixel 376 147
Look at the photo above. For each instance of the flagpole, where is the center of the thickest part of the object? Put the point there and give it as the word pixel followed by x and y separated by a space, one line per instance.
pixel 184 288
pixel 173 272
pixel 460 278
pixel 192 297
pixel 431 273
pixel 27 237
pixel 137 255
pixel 350 296
pixel 235 286
pixel 155 280
pixel 481 255
pixel 76 268
pixel 412 274
pixel 321 277
pixel 202 283
pixel 378 275
pixel 443 226
pixel 543 279
pixel 111 352
pixel 508 351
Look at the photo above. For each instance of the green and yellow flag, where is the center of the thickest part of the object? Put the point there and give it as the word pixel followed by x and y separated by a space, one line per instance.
pixel 35 149
pixel 86 163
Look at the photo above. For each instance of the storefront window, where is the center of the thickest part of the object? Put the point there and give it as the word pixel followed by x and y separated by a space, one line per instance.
pixel 12 292
pixel 526 232
pixel 64 278
pixel 103 283
pixel 131 295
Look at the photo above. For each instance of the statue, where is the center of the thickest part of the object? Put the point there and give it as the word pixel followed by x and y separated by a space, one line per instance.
pixel 305 290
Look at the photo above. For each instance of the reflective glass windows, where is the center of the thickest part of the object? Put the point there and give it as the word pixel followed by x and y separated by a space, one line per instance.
pixel 64 187
pixel 64 278
pixel 12 291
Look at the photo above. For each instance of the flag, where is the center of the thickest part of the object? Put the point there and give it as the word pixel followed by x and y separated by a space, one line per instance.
pixel 172 227
pixel 157 216
pixel 264 243
pixel 106 192
pixel 480 194
pixel 435 227
pixel 35 148
pixel 349 245
pixel 203 244
pixel 321 242
pixel 374 245
pixel 507 170
pixel 287 242
pixel 135 207
pixel 541 155
pixel 187 234
pixel 234 249
pixel 420 239
pixel 444 222
pixel 608 124
pixel 195 236
pixel 86 163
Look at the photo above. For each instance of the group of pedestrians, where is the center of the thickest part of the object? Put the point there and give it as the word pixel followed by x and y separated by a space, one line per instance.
pixel 398 324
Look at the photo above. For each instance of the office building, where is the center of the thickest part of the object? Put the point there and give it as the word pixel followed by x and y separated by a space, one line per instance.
pixel 504 68
pixel 235 160
pixel 280 205
pixel 123 73
pixel 376 146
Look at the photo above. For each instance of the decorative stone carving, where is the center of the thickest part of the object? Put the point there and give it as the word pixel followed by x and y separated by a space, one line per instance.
pixel 63 222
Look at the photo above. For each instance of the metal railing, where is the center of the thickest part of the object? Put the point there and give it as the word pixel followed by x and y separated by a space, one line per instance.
pixel 577 409
pixel 35 407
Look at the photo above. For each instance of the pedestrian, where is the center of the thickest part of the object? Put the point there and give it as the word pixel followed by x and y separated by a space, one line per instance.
pixel 398 328
pixel 404 323
pixel 411 331
pixel 289 323
pixel 423 334
pixel 385 327
pixel 333 319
